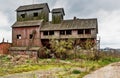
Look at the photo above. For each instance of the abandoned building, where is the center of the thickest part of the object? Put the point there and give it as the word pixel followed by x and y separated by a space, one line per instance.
pixel 32 29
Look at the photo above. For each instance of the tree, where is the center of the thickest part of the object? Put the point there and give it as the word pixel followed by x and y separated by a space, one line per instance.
pixel 60 47
pixel 89 46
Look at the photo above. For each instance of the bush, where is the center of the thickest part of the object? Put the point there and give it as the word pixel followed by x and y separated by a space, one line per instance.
pixel 76 72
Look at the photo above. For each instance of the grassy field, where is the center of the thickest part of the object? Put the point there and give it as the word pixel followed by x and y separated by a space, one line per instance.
pixel 75 68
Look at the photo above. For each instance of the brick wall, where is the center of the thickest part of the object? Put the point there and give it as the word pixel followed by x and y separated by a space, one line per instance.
pixel 4 48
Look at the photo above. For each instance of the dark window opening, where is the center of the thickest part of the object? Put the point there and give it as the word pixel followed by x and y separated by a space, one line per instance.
pixel 81 31
pixel 51 32
pixel 68 32
pixel 35 14
pixel 31 36
pixel 19 36
pixel 83 39
pixel 23 15
pixel 62 32
pixel 56 12
pixel 87 31
pixel 45 33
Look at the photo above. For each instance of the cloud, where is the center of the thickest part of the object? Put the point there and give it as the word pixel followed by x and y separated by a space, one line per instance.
pixel 5 31
pixel 109 27
pixel 4 21
pixel 6 35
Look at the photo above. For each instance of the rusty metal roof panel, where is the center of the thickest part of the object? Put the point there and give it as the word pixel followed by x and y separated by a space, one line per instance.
pixel 71 24
pixel 27 23
pixel 32 7
pixel 58 10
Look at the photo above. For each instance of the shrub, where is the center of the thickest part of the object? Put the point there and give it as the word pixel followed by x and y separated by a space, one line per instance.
pixel 76 72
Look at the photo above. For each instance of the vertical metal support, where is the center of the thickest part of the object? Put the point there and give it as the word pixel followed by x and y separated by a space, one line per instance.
pixel 98 46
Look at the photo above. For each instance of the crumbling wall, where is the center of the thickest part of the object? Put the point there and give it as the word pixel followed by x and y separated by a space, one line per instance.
pixel 4 47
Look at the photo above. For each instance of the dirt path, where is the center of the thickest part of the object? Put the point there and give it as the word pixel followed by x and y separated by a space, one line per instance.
pixel 35 74
pixel 110 71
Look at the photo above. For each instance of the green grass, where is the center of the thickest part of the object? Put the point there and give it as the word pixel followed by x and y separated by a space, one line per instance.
pixel 76 72
pixel 6 67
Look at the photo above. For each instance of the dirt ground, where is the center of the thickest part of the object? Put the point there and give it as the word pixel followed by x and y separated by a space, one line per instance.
pixel 35 74
pixel 110 71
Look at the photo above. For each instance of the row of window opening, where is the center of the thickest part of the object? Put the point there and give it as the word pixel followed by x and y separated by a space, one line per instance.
pixel 68 32
pixel 19 36
pixel 34 15
pixel 62 32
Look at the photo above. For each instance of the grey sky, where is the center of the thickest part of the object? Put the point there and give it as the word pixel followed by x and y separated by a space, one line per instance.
pixel 107 12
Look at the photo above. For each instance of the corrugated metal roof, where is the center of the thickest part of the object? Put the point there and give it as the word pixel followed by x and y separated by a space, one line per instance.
pixel 31 7
pixel 24 48
pixel 71 24
pixel 58 10
pixel 27 23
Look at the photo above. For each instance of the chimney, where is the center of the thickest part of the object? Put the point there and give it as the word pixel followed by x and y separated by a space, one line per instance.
pixel 3 40
pixel 57 15
pixel 74 18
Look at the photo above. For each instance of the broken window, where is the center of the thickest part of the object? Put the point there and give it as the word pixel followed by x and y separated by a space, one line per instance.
pixel 35 14
pixel 62 32
pixel 18 36
pixel 45 33
pixel 51 32
pixel 23 15
pixel 80 31
pixel 31 36
pixel 68 32
pixel 87 31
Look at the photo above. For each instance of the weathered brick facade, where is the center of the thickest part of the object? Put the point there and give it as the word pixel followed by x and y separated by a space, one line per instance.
pixel 4 47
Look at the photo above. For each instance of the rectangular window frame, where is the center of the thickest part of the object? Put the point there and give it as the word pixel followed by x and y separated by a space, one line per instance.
pixel 68 32
pixel 62 32
pixel 23 15
pixel 45 33
pixel 51 32
pixel 35 14
pixel 87 31
pixel 19 36
pixel 80 31
pixel 30 36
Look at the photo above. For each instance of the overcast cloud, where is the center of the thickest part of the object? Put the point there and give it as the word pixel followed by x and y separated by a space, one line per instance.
pixel 107 12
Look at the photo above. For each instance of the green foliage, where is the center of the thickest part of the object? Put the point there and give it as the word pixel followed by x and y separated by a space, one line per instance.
pixel 88 44
pixel 4 58
pixel 76 72
pixel 60 47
